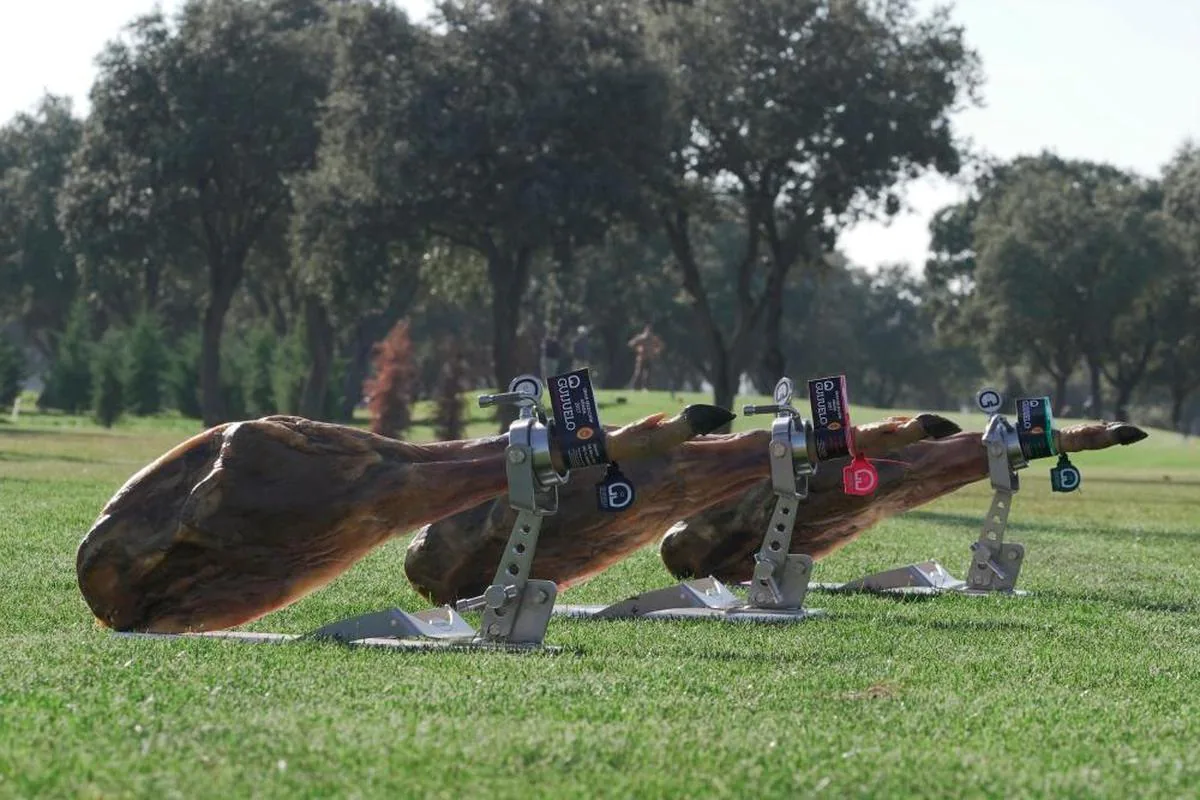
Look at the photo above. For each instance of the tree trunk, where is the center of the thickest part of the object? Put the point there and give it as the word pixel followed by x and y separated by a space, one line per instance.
pixel 319 333
pixel 150 283
pixel 504 357
pixel 772 364
pixel 212 404
pixel 1060 391
pixel 1122 410
pixel 1124 394
pixel 508 275
pixel 724 381
pixel 724 361
pixel 357 353
pixel 1094 388
pixel 1178 398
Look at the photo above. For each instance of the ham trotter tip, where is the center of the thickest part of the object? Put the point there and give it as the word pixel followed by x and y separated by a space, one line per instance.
pixel 1124 433
pixel 1097 436
pixel 706 419
pixel 936 426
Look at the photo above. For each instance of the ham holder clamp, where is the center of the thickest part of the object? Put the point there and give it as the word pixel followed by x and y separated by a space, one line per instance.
pixel 780 581
pixel 516 610
pixel 994 564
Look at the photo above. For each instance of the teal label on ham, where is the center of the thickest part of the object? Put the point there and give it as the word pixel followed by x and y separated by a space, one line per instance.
pixel 1035 427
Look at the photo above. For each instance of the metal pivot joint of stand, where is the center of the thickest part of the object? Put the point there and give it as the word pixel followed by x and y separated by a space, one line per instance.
pixel 516 610
pixel 781 578
pixel 995 564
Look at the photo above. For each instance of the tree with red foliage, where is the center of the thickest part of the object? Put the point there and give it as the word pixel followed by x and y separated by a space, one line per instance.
pixel 389 392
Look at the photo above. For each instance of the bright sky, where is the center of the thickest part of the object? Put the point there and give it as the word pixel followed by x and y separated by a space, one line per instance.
pixel 1085 78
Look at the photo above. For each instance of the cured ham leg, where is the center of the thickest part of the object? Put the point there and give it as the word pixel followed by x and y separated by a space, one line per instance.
pixel 248 517
pixel 456 557
pixel 721 540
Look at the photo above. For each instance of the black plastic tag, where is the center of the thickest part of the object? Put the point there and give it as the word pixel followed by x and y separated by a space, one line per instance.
pixel 1035 427
pixel 1065 476
pixel 831 416
pixel 577 428
pixel 615 492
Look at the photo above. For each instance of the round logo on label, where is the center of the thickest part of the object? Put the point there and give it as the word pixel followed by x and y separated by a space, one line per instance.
pixel 619 494
pixel 835 426
pixel 526 385
pixel 783 391
pixel 1069 479
pixel 989 401
pixel 584 433
pixel 860 479
pixel 1037 429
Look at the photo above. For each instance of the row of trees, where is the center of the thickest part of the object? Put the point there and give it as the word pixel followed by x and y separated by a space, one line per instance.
pixel 331 166
pixel 271 185
pixel 1067 268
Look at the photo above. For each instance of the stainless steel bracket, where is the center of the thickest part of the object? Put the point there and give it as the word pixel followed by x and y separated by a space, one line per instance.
pixel 781 578
pixel 995 564
pixel 780 584
pixel 516 610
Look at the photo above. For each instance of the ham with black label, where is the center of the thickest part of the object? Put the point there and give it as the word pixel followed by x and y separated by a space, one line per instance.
pixel 581 437
pixel 830 400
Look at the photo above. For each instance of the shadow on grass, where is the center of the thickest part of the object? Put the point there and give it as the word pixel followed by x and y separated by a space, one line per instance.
pixel 29 457
pixel 1129 601
pixel 64 433
pixel 1165 480
pixel 754 653
pixel 972 521
pixel 1105 532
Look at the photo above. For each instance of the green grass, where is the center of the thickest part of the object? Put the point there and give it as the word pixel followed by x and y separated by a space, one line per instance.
pixel 1086 688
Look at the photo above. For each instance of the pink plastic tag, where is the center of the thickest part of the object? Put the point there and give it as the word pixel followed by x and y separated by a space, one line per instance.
pixel 860 477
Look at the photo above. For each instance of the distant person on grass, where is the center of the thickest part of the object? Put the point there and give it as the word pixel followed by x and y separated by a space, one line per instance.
pixel 646 347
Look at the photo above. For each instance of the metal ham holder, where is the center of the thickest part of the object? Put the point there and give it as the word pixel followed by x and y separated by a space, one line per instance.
pixel 516 610
pixel 780 584
pixel 995 564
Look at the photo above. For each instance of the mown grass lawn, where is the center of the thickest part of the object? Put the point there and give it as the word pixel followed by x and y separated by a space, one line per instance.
pixel 1090 687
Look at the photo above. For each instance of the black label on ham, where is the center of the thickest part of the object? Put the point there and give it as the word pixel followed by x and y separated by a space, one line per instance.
pixel 1035 427
pixel 577 420
pixel 831 416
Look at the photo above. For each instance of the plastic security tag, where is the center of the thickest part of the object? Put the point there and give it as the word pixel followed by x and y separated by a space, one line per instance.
pixel 859 477
pixel 577 419
pixel 1065 476
pixel 615 492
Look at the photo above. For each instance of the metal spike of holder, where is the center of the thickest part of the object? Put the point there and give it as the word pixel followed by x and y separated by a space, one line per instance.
pixel 780 583
pixel 516 610
pixel 995 564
